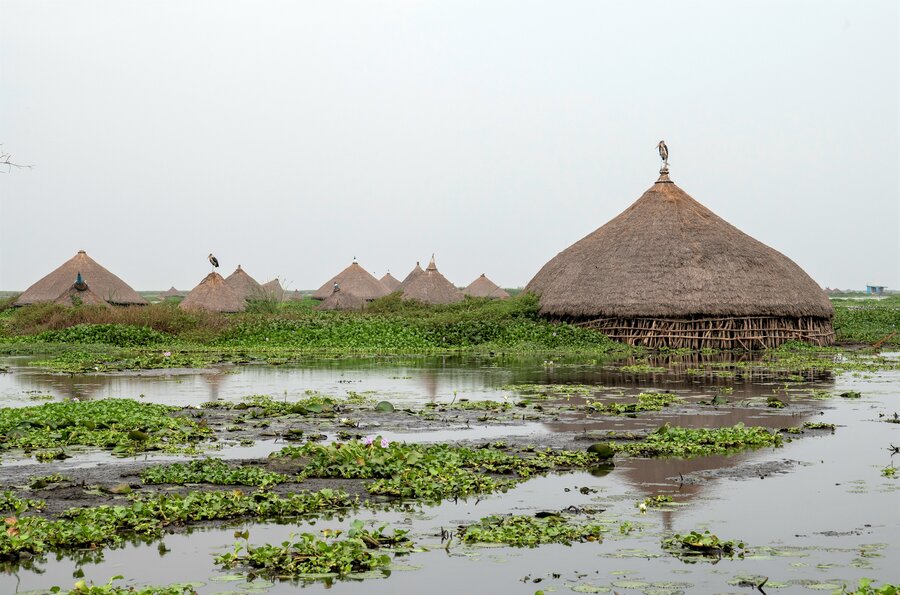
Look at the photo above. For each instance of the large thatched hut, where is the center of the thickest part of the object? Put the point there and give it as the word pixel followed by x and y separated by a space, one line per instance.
pixel 431 287
pixel 342 300
pixel 80 294
pixel 390 282
pixel 356 280
pixel 417 270
pixel 215 295
pixel 244 285
pixel 485 288
pixel 273 290
pixel 668 272
pixel 104 284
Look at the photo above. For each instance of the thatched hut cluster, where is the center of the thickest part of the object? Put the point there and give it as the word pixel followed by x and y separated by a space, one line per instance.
pixel 215 295
pixel 103 284
pixel 431 287
pixel 669 272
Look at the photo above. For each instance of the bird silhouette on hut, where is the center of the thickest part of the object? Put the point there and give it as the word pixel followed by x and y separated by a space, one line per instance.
pixel 664 155
pixel 213 261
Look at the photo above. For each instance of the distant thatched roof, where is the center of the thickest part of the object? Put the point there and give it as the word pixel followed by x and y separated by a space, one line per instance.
pixel 80 294
pixel 669 256
pixel 431 287
pixel 103 283
pixel 170 293
pixel 342 300
pixel 273 289
pixel 213 294
pixel 390 283
pixel 244 285
pixel 417 270
pixel 356 280
pixel 294 296
pixel 484 287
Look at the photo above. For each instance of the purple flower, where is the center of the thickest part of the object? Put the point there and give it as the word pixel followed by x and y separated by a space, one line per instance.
pixel 167 353
pixel 384 443
pixel 368 440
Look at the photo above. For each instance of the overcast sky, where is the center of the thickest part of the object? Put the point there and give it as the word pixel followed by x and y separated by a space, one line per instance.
pixel 292 136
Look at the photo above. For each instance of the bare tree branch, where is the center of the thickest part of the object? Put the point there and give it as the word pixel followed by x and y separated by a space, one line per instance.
pixel 6 162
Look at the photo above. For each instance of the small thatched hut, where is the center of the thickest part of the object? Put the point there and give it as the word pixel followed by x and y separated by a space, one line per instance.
pixel 273 290
pixel 215 295
pixel 107 286
pixel 431 287
pixel 170 293
pixel 356 280
pixel 390 283
pixel 294 296
pixel 342 300
pixel 485 288
pixel 417 270
pixel 244 285
pixel 79 294
pixel 668 272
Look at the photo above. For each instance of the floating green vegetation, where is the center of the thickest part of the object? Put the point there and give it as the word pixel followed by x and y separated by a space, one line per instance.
pixel 547 390
pixel 818 425
pixel 80 528
pixel 529 531
pixel 642 369
pixel 658 501
pixel 669 441
pixel 851 394
pixel 83 588
pixel 645 402
pixel 122 425
pixel 42 481
pixel 10 503
pixel 431 472
pixel 480 405
pixel 702 545
pixel 867 321
pixel 867 586
pixel 308 556
pixel 889 471
pixel 214 471
pixel 258 406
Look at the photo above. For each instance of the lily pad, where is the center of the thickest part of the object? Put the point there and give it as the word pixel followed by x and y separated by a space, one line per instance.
pixel 384 407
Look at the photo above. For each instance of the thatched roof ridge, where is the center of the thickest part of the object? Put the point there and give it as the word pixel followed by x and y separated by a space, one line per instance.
pixel 390 282
pixel 354 279
pixel 342 300
pixel 417 270
pixel 244 285
pixel 669 256
pixel 215 295
pixel 274 290
pixel 431 287
pixel 484 287
pixel 106 285
pixel 80 295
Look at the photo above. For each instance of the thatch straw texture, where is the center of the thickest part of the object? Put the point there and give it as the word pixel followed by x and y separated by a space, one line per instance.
pixel 294 296
pixel 356 280
pixel 107 286
pixel 342 300
pixel 244 285
pixel 485 288
pixel 81 295
pixel 171 293
pixel 417 270
pixel 431 287
pixel 390 283
pixel 273 290
pixel 667 265
pixel 215 295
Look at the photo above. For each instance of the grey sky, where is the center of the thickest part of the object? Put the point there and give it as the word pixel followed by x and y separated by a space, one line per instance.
pixel 291 136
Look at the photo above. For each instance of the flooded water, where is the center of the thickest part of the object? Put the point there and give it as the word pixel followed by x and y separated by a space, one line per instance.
pixel 815 513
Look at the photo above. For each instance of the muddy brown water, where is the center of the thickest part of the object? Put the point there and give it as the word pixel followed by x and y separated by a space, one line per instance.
pixel 815 513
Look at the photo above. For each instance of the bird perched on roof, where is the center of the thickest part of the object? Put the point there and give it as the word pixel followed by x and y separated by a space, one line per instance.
pixel 80 285
pixel 336 288
pixel 213 261
pixel 663 153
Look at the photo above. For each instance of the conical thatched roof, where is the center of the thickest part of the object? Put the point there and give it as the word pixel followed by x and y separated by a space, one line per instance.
pixel 244 285
pixel 484 287
pixel 107 286
pixel 431 287
pixel 273 289
pixel 213 294
pixel 170 293
pixel 669 256
pixel 356 280
pixel 79 294
pixel 342 300
pixel 294 296
pixel 417 270
pixel 390 283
